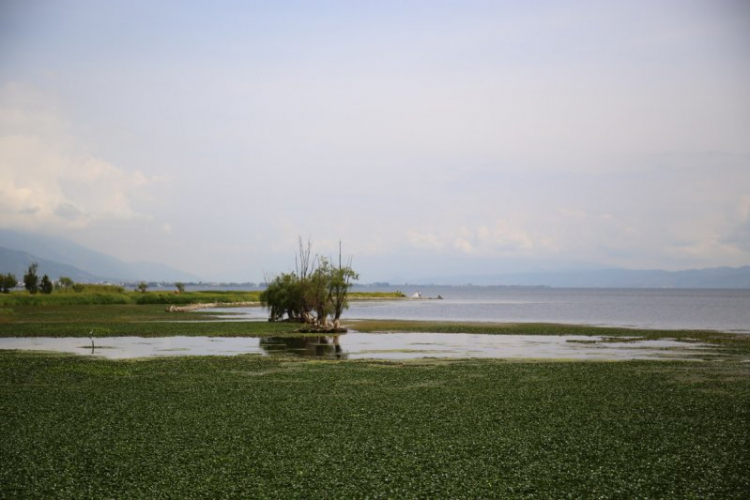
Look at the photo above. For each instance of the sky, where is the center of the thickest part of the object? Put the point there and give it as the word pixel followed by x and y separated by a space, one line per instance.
pixel 432 138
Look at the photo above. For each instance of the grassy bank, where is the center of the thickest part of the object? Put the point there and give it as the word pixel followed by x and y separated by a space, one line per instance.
pixel 125 320
pixel 109 295
pixel 115 295
pixel 250 426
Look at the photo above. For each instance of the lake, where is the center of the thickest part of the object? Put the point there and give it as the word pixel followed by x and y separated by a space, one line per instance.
pixel 671 309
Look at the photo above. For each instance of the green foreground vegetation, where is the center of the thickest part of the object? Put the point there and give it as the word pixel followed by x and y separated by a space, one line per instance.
pixel 110 295
pixel 101 295
pixel 149 320
pixel 254 426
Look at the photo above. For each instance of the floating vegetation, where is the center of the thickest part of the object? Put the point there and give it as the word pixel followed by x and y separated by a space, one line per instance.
pixel 202 428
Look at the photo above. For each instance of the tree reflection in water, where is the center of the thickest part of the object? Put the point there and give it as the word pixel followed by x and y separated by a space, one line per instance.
pixel 321 346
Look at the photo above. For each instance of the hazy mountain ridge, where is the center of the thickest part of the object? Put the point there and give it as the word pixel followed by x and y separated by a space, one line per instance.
pixel 57 253
pixel 17 262
pixel 60 257
pixel 717 277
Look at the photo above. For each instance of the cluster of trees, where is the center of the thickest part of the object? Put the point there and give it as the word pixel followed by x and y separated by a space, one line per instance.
pixel 316 290
pixel 32 283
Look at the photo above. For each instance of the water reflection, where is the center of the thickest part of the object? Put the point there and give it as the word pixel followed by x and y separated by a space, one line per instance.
pixel 394 346
pixel 310 347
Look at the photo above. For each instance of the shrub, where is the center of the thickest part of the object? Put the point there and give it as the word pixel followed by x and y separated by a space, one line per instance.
pixel 7 282
pixel 46 285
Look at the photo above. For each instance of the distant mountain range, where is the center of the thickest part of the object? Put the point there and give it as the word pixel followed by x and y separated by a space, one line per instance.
pixel 717 277
pixel 17 262
pixel 61 257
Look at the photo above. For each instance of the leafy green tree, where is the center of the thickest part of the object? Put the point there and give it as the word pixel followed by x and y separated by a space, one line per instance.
pixel 65 283
pixel 317 286
pixel 339 285
pixel 305 267
pixel 288 293
pixel 46 285
pixel 142 286
pixel 318 291
pixel 180 287
pixel 269 298
pixel 30 279
pixel 7 282
pixel 283 296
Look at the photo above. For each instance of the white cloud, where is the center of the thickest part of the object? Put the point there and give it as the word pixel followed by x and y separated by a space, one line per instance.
pixel 47 181
pixel 425 240
pixel 500 237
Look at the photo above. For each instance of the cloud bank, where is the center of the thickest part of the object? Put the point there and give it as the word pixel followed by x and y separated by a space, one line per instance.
pixel 432 138
pixel 48 183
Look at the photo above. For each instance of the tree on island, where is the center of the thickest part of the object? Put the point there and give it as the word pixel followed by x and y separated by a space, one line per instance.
pixel 30 279
pixel 283 296
pixel 304 269
pixel 317 291
pixel 317 286
pixel 339 286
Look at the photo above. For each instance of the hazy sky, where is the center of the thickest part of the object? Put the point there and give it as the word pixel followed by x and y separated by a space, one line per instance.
pixel 432 138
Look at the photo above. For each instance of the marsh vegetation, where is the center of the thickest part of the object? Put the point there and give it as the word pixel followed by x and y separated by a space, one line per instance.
pixel 281 426
pixel 253 426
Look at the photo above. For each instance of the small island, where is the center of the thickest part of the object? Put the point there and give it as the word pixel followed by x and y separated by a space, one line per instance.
pixel 316 290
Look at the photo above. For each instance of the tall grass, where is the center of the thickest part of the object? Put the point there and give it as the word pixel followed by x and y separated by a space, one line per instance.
pixel 106 294
pixel 195 297
pixel 95 288
pixel 113 294
pixel 25 299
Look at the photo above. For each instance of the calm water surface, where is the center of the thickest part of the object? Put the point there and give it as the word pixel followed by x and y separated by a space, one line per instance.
pixel 725 310
pixel 374 346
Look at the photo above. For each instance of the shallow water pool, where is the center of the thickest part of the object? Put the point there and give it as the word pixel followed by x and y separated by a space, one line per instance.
pixel 394 346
